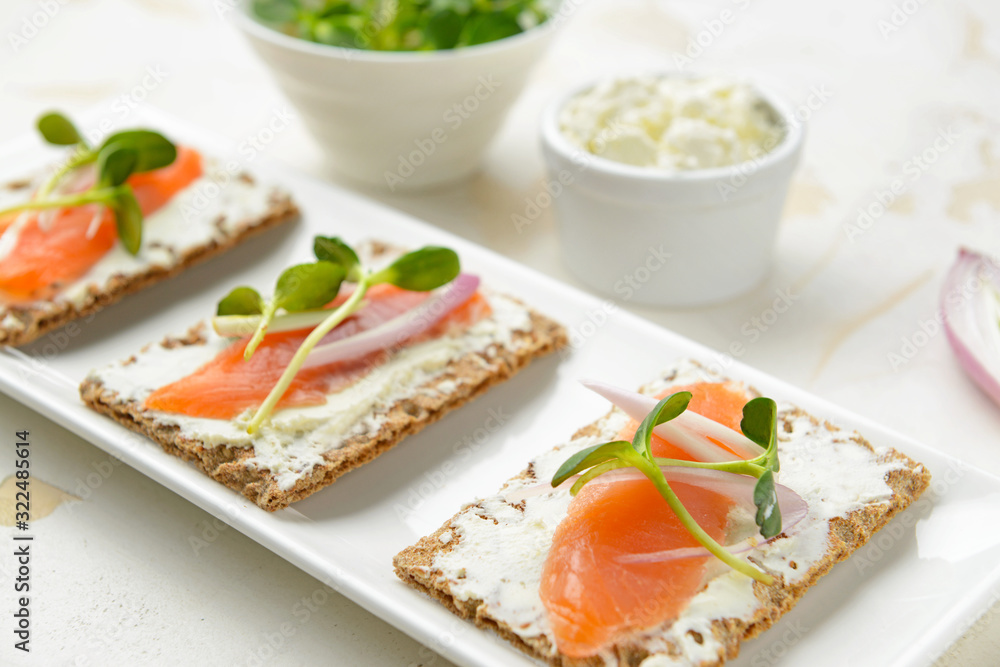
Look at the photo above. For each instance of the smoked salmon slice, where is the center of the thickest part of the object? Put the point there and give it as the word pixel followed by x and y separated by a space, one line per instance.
pixel 719 401
pixel 45 258
pixel 592 598
pixel 227 385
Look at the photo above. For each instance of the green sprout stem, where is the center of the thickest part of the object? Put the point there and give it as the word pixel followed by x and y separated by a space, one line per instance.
pixel 759 424
pixel 340 314
pixel 597 471
pixel 80 158
pixel 738 467
pixel 119 156
pixel 258 335
pixel 238 326
pixel 655 475
pixel 103 196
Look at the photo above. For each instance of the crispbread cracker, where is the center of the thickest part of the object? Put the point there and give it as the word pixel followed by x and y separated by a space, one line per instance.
pixel 415 565
pixel 23 323
pixel 468 376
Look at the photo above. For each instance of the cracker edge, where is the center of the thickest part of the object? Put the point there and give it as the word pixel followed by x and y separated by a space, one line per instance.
pixel 414 565
pixel 407 416
pixel 40 320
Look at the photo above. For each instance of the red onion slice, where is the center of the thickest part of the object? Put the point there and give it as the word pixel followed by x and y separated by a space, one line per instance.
pixel 737 487
pixel 689 431
pixel 970 305
pixel 399 329
pixel 740 547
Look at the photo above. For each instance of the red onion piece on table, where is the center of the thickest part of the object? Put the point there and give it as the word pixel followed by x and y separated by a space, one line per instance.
pixel 970 305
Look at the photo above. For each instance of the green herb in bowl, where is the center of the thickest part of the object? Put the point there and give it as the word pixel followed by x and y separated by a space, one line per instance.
pixel 402 25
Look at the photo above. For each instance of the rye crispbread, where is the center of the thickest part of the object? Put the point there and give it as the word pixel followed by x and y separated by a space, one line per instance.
pixel 22 323
pixel 415 565
pixel 470 376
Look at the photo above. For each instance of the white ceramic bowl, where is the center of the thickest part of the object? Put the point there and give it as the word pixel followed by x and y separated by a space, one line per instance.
pixel 668 238
pixel 400 120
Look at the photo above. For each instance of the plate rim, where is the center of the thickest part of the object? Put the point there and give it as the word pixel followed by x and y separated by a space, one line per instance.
pixel 207 494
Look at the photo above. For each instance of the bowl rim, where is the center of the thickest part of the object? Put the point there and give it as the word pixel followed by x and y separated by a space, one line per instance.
pixel 785 150
pixel 249 25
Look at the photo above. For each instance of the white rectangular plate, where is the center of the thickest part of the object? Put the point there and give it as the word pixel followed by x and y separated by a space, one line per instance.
pixel 900 601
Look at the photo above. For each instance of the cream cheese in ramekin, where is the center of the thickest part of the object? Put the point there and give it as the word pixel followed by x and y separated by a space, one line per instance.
pixel 673 122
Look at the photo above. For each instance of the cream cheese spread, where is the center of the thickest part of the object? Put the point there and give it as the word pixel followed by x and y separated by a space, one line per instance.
pixel 212 208
pixel 501 563
pixel 672 122
pixel 295 439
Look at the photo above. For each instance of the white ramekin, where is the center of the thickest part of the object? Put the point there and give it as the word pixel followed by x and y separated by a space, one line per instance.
pixel 400 120
pixel 668 238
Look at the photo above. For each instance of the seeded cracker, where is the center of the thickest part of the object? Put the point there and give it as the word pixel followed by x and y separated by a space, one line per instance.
pixel 240 465
pixel 461 563
pixel 215 222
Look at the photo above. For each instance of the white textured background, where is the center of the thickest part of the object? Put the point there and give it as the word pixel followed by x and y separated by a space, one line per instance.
pixel 120 579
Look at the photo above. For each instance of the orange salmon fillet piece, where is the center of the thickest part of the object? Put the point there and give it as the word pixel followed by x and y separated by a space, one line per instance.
pixel 43 260
pixel 592 599
pixel 227 385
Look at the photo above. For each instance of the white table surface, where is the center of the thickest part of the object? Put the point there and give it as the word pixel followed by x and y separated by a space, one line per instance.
pixel 132 573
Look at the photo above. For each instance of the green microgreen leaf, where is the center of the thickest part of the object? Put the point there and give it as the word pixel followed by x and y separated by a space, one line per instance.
pixel 407 25
pixel 119 156
pixel 332 249
pixel 343 31
pixel 58 130
pixel 597 460
pixel 588 458
pixel 308 286
pixel 421 270
pixel 667 409
pixel 444 29
pixel 241 301
pixel 460 6
pixel 765 497
pixel 490 27
pixel 115 164
pixel 128 218
pixel 301 287
pixel 760 424
pixel 337 8
pixel 276 11
pixel 152 149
